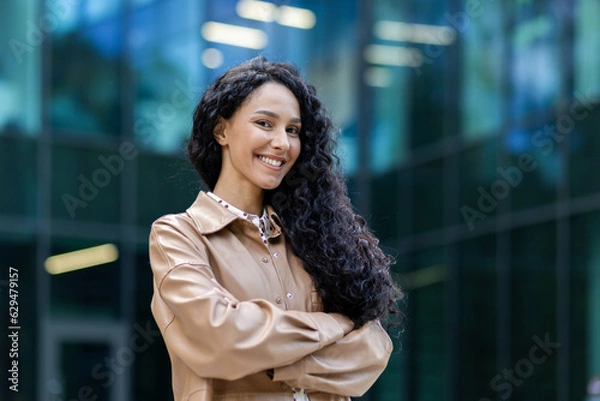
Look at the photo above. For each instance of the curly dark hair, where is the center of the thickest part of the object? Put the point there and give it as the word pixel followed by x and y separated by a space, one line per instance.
pixel 348 268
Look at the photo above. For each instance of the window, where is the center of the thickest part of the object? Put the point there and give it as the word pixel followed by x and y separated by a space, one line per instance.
pixel 533 310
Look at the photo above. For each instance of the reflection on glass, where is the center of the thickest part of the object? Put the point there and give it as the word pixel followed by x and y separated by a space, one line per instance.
pixel 87 293
pixel 389 126
pixel 97 10
pixel 482 73
pixel 533 168
pixel 535 70
pixel 85 89
pixel 20 91
pixel 587 43
pixel 168 72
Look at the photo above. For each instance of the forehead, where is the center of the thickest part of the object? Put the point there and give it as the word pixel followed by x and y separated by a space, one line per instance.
pixel 273 93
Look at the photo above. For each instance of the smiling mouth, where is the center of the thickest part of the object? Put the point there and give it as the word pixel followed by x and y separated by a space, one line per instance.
pixel 271 162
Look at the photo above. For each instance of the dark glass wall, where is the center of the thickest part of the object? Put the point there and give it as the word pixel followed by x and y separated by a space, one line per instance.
pixel 468 131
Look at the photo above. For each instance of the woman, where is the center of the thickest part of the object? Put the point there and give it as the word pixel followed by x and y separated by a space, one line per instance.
pixel 269 287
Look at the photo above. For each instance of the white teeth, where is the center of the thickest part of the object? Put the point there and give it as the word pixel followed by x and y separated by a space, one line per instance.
pixel 272 162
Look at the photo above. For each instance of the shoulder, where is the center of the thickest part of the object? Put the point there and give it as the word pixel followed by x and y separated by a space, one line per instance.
pixel 178 225
pixel 174 241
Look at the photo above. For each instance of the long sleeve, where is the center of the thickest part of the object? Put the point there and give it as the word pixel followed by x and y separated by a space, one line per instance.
pixel 216 335
pixel 349 367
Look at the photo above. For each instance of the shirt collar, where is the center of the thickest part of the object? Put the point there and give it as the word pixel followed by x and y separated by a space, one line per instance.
pixel 261 222
pixel 211 217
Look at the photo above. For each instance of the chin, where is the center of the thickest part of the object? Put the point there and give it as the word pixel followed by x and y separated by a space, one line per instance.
pixel 267 186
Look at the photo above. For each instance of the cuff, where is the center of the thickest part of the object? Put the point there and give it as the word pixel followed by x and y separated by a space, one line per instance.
pixel 331 326
pixel 290 372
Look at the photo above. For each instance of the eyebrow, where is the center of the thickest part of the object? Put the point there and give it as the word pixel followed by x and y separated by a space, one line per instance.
pixel 275 115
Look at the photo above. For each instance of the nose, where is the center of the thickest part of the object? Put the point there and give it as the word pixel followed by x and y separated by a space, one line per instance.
pixel 280 140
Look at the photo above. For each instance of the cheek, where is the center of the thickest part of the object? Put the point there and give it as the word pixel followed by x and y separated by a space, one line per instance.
pixel 296 146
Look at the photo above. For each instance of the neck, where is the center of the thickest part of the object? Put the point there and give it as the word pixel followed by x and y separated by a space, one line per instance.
pixel 250 201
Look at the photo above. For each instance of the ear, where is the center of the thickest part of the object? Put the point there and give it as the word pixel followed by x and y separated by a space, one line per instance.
pixel 220 133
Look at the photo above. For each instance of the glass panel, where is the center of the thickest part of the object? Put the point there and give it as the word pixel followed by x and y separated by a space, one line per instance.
pixel 152 365
pixel 391 209
pixel 584 163
pixel 478 326
pixel 20 85
pixel 428 196
pixel 169 76
pixel 533 309
pixel 85 90
pixel 426 293
pixel 404 205
pixel 385 199
pixel 388 128
pixel 389 86
pixel 587 43
pixel 428 111
pixel 392 385
pixel 165 99
pixel 483 74
pixel 478 174
pixel 78 360
pixel 86 184
pixel 536 78
pixel 585 302
pixel 531 174
pixel 69 15
pixel 172 185
pixel 19 156
pixel 86 293
pixel 98 10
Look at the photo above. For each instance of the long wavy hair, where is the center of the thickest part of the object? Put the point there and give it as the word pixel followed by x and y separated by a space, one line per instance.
pixel 348 268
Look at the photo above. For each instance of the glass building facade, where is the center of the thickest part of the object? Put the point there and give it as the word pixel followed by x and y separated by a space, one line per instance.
pixel 468 132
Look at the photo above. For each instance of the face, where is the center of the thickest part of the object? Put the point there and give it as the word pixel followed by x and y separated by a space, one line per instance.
pixel 261 141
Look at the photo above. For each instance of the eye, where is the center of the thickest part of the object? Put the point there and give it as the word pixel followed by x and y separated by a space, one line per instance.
pixel 263 123
pixel 293 131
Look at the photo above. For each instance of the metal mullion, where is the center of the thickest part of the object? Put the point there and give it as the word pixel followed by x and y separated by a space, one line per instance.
pixel 365 101
pixel 43 221
pixel 563 210
pixel 128 200
pixel 503 235
pixel 451 181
